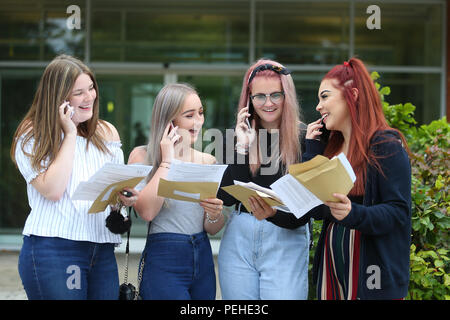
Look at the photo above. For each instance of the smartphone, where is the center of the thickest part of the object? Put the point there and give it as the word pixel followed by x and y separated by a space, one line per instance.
pixel 251 110
pixel 173 127
pixel 69 107
pixel 325 132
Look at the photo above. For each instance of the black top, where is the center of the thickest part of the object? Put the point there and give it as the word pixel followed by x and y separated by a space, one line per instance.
pixel 242 173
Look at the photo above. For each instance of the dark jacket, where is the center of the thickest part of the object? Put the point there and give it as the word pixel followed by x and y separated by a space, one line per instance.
pixel 384 220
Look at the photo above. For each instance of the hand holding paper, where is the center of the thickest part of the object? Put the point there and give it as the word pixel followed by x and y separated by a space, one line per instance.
pixel 103 186
pixel 314 182
pixel 243 191
pixel 341 209
pixel 193 182
pixel 307 185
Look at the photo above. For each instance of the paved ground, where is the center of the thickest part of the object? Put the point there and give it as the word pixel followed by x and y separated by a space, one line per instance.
pixel 11 285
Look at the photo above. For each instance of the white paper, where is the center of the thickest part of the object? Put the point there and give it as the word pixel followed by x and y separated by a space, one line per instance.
pixel 195 172
pixel 341 156
pixel 110 173
pixel 294 195
pixel 256 187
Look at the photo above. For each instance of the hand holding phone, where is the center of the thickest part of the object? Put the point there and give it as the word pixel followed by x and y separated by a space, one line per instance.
pixel 245 133
pixel 69 108
pixel 325 132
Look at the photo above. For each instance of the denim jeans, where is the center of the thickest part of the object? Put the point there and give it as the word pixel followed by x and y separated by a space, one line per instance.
pixel 261 261
pixel 178 266
pixel 56 268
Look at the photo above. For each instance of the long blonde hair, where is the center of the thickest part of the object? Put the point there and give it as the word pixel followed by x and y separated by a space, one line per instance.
pixel 167 107
pixel 42 120
pixel 289 130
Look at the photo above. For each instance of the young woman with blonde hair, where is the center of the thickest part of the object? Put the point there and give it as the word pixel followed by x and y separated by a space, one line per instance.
pixel 177 259
pixel 264 253
pixel 66 253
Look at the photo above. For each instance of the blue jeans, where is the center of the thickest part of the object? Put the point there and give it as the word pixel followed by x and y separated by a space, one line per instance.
pixel 260 261
pixel 178 266
pixel 56 268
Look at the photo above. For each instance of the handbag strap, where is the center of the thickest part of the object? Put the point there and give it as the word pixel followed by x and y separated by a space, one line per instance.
pixel 127 253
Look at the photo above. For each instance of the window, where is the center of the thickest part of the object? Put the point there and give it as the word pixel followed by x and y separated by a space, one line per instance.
pixel 184 31
pixel 38 31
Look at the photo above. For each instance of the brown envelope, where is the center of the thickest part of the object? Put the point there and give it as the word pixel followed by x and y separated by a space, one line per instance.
pixel 295 169
pixel 112 190
pixel 187 191
pixel 323 177
pixel 242 194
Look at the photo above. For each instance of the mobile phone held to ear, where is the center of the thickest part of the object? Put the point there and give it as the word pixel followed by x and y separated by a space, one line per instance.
pixel 325 132
pixel 251 110
pixel 173 127
pixel 70 109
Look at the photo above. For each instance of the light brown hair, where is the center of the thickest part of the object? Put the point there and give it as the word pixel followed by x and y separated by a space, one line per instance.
pixel 42 121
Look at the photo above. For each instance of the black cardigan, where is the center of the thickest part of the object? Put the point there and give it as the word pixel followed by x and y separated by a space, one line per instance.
pixel 242 173
pixel 384 220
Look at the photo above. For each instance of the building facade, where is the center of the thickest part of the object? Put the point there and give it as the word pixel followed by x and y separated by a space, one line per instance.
pixel 135 47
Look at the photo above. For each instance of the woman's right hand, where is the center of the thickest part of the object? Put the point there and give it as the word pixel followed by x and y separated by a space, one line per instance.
pixel 170 137
pixel 244 134
pixel 312 131
pixel 66 121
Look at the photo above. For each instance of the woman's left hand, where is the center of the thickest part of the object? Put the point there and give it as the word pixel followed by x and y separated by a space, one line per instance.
pixel 260 209
pixel 340 209
pixel 213 207
pixel 129 201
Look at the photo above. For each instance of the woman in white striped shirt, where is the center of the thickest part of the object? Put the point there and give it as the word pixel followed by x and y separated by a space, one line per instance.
pixel 67 253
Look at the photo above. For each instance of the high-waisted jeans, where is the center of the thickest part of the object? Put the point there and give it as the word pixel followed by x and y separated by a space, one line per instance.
pixel 55 268
pixel 259 260
pixel 178 266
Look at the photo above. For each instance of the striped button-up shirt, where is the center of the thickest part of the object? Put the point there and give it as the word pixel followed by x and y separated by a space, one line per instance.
pixel 67 218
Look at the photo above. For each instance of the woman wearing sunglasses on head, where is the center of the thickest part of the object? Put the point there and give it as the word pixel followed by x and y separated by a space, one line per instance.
pixel 363 249
pixel 264 253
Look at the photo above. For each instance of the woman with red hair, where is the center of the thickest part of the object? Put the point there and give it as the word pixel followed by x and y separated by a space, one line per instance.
pixel 363 249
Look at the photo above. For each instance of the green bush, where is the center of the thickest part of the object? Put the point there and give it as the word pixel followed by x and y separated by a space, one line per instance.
pixel 430 163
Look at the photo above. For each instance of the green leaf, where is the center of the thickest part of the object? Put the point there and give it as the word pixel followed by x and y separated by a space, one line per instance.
pixel 438 263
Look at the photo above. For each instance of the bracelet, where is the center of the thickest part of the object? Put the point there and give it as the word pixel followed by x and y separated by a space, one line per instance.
pixel 169 163
pixel 161 166
pixel 242 148
pixel 208 218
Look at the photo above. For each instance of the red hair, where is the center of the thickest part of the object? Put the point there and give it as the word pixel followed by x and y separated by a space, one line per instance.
pixel 367 117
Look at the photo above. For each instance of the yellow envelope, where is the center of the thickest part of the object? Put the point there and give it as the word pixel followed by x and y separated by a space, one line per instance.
pixel 109 195
pixel 242 194
pixel 323 177
pixel 187 191
pixel 295 169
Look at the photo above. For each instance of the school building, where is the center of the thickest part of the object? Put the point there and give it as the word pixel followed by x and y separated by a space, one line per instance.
pixel 136 46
